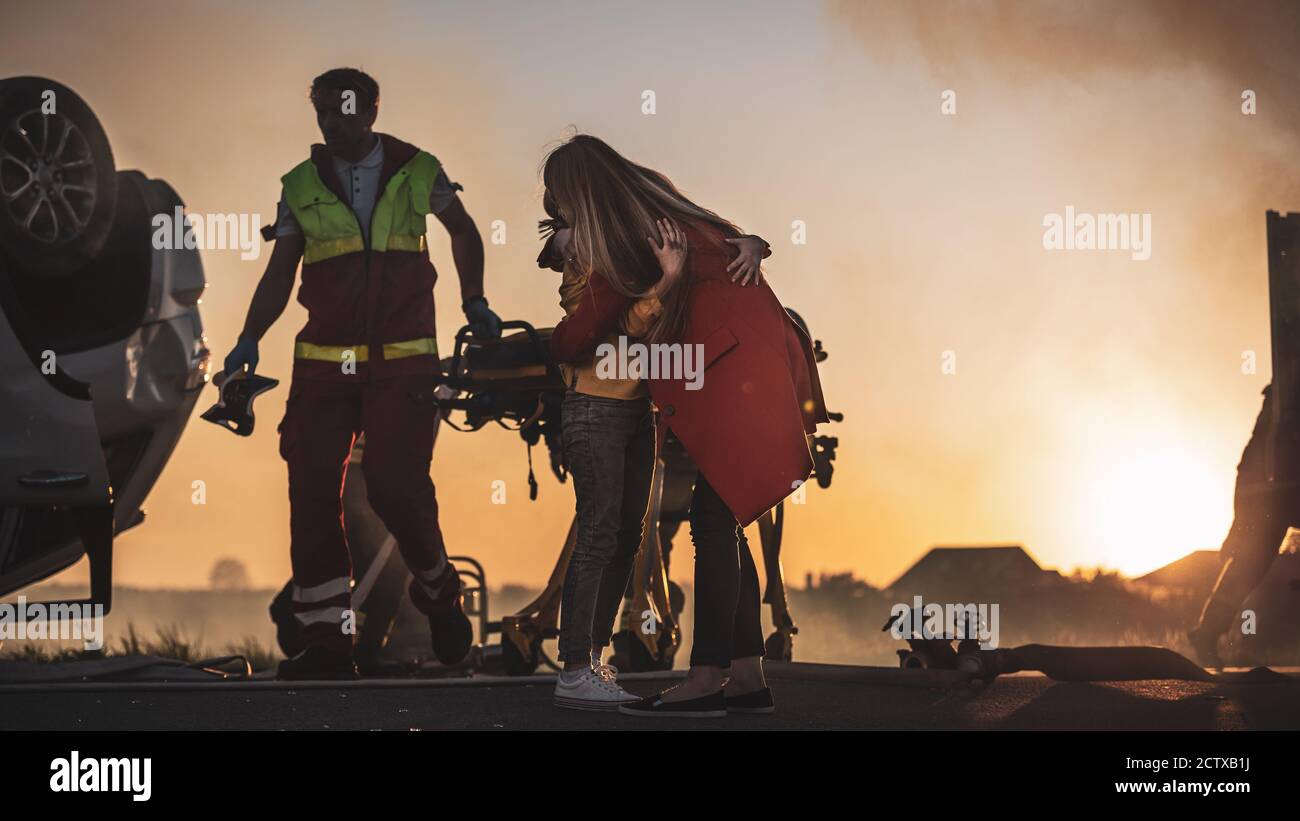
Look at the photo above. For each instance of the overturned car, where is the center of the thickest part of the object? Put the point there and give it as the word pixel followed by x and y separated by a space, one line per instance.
pixel 101 341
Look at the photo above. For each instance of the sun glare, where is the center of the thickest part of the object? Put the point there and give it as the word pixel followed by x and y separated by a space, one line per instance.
pixel 1155 507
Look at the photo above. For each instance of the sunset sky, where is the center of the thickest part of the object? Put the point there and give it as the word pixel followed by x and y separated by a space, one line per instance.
pixel 1098 405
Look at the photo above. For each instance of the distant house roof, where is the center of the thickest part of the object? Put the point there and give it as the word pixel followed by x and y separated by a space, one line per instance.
pixel 968 565
pixel 1195 571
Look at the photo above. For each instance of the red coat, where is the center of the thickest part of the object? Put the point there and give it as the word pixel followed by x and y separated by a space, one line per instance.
pixel 746 426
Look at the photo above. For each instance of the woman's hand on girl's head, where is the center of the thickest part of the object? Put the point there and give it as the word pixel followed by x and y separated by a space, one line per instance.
pixel 748 263
pixel 670 249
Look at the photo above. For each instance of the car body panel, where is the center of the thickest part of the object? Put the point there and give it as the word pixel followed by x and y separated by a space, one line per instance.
pixel 142 388
pixel 45 429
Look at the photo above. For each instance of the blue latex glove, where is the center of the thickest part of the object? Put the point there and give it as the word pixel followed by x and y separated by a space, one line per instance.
pixel 245 353
pixel 483 321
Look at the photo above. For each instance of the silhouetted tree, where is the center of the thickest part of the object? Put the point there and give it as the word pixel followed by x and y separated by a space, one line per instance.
pixel 229 574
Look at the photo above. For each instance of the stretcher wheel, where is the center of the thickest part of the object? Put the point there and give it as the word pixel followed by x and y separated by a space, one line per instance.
pixel 676 599
pixel 515 663
pixel 913 660
pixel 630 655
pixel 779 647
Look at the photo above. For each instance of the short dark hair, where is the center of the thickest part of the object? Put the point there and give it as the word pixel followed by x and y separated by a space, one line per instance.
pixel 348 79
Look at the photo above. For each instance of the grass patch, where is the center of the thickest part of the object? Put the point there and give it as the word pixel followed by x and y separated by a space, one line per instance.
pixel 170 641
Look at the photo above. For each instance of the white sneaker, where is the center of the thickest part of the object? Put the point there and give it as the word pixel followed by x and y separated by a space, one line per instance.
pixel 592 690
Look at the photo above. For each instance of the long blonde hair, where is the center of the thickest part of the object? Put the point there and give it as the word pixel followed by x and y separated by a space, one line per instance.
pixel 611 204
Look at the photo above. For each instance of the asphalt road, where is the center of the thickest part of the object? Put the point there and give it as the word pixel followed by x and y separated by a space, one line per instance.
pixel 809 697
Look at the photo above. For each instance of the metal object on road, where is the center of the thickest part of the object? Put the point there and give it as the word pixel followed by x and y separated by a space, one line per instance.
pixel 973 663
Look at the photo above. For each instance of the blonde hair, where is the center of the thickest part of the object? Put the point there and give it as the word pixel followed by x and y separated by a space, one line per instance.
pixel 611 204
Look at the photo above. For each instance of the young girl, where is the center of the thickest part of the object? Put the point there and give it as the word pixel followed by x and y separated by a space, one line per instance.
pixel 653 253
pixel 609 449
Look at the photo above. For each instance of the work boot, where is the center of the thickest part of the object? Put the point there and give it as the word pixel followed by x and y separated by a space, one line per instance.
pixel 451 633
pixel 318 664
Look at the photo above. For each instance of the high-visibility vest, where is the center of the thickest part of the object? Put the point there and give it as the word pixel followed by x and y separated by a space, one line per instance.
pixel 334 239
pixel 330 227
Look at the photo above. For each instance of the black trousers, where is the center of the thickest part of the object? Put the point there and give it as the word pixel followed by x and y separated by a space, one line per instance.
pixel 728 606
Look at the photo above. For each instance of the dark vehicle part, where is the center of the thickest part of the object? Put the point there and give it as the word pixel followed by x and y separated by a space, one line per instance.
pixel 975 663
pixel 234 408
pixel 58 184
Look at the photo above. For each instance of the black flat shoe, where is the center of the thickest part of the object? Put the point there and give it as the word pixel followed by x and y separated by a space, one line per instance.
pixel 713 705
pixel 758 702
pixel 318 664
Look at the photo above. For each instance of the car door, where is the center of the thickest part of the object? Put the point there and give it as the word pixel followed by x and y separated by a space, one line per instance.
pixel 53 479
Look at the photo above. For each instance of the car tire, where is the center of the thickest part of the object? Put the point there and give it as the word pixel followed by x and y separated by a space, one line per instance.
pixel 58 182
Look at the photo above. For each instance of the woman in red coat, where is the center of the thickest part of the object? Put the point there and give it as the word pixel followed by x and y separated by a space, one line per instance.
pixel 742 402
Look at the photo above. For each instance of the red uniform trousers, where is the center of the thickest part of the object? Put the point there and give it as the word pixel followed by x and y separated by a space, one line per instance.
pixel 397 417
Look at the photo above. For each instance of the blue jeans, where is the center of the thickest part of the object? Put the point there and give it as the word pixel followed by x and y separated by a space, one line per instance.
pixel 609 448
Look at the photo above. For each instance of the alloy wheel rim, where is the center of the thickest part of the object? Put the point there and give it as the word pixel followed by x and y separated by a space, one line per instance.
pixel 47 176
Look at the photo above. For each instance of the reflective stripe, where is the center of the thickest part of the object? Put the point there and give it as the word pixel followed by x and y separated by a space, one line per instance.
pixel 437 573
pixel 433 573
pixel 330 227
pixel 333 615
pixel 392 350
pixel 405 242
pixel 429 590
pixel 319 249
pixel 411 347
pixel 322 249
pixel 372 572
pixel 321 592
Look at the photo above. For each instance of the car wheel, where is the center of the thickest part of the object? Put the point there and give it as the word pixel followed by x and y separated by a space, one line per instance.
pixel 58 183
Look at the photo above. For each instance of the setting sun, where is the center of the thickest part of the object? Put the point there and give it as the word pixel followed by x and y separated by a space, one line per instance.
pixel 1155 506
